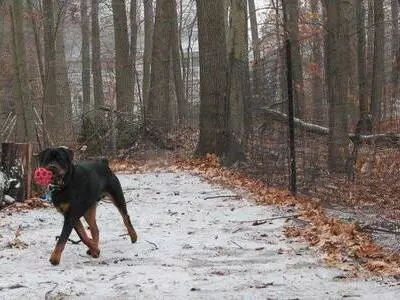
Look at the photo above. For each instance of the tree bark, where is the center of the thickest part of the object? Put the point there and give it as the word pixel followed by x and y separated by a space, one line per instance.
pixel 177 68
pixel 395 53
pixel 98 92
pixel 361 66
pixel 293 28
pixel 133 45
pixel 50 110
pixel 63 86
pixel 257 74
pixel 24 125
pixel 123 60
pixel 378 72
pixel 213 68
pixel 85 51
pixel 337 80
pixel 158 114
pixel 148 48
pixel 238 82
pixel 317 76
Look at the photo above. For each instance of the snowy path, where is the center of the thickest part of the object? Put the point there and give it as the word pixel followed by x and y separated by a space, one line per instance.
pixel 189 247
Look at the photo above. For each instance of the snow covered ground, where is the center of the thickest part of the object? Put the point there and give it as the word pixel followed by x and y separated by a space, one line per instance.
pixel 191 245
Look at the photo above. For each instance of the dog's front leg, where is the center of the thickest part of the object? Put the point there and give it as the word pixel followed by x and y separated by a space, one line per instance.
pixel 69 222
pixel 90 243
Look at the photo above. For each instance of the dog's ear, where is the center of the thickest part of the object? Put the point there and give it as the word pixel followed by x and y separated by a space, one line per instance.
pixel 69 152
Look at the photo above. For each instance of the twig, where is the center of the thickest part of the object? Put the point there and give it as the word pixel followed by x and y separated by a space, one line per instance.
pixel 233 242
pixel 154 244
pixel 223 196
pixel 12 287
pixel 370 228
pixel 263 221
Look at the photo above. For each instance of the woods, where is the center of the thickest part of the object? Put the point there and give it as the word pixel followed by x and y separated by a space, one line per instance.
pixel 208 77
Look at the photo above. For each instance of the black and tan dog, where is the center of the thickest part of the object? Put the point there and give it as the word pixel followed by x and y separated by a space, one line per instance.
pixel 76 189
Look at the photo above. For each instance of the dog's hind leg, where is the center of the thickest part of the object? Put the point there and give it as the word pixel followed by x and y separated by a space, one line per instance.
pixel 90 243
pixel 90 217
pixel 115 190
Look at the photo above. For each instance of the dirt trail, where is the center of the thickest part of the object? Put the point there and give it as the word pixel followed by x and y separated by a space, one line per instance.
pixel 191 245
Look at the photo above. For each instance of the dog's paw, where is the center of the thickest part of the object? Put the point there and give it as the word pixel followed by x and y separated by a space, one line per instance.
pixel 95 253
pixel 54 260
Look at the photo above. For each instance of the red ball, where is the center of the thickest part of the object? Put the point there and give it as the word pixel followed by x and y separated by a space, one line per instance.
pixel 42 176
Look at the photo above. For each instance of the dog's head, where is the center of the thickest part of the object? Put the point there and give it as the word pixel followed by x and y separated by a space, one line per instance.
pixel 58 161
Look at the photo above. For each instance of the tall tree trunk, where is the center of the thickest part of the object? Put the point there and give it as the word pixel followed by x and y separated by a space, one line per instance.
pixel 158 113
pixel 337 79
pixel 395 53
pixel 24 125
pixel 213 83
pixel 50 110
pixel 98 92
pixel 123 61
pixel 293 27
pixel 148 48
pixel 85 50
pixel 317 76
pixel 378 72
pixel 370 43
pixel 257 68
pixel 63 87
pixel 238 82
pixel 177 68
pixel 133 45
pixel 362 67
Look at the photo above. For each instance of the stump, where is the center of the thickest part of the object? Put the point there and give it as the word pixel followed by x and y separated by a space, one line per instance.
pixel 16 165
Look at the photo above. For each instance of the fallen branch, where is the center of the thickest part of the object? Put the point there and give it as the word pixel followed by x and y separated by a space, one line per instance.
pixel 320 130
pixel 263 221
pixel 154 244
pixel 233 242
pixel 223 196
pixel 70 240
pixel 371 228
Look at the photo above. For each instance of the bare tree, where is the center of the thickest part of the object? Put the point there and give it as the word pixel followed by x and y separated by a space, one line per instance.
pixel 378 63
pixel 293 28
pixel 123 60
pixel 337 81
pixel 148 46
pixel 85 52
pixel 24 125
pixel 133 45
pixel 238 81
pixel 213 67
pixel 158 114
pixel 96 56
pixel 255 43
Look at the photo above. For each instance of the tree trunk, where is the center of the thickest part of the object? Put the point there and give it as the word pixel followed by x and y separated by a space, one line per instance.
pixel 257 68
pixel 50 110
pixel 148 48
pixel 85 50
pixel 337 79
pixel 63 87
pixel 24 125
pixel 395 53
pixel 98 92
pixel 361 67
pixel 370 43
pixel 378 72
pixel 123 61
pixel 293 28
pixel 238 82
pixel 133 45
pixel 177 69
pixel 213 83
pixel 317 76
pixel 158 113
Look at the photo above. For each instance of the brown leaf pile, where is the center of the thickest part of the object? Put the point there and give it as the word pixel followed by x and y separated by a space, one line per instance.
pixel 27 204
